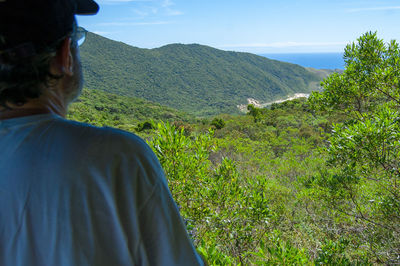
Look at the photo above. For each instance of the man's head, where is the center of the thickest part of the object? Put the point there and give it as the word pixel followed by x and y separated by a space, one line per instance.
pixel 35 36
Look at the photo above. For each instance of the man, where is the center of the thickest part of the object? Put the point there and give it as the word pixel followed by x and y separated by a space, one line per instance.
pixel 70 193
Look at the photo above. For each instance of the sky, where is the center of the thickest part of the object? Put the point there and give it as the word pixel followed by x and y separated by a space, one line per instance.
pixel 255 26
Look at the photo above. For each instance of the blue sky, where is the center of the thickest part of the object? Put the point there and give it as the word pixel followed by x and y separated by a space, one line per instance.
pixel 256 26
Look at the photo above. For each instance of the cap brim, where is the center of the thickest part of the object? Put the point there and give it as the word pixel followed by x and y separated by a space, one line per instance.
pixel 86 7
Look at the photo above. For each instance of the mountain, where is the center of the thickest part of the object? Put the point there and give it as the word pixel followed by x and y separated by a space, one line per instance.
pixel 194 78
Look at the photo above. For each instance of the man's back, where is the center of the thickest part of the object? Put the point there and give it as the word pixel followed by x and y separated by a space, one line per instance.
pixel 73 194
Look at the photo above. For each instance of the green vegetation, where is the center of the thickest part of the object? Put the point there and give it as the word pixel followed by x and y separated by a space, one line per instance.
pixel 105 109
pixel 218 123
pixel 193 78
pixel 305 182
pixel 362 175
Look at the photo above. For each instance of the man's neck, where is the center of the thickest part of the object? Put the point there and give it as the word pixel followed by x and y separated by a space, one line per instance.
pixel 20 112
pixel 46 104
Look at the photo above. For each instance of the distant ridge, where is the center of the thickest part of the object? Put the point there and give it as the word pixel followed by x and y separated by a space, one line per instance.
pixel 194 78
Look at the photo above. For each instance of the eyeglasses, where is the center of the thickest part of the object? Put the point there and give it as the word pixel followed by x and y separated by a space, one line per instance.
pixel 80 35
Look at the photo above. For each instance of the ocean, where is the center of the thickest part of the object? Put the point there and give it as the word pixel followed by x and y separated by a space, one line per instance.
pixel 314 60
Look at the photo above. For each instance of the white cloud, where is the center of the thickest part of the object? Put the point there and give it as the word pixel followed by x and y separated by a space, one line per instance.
pixel 134 23
pixel 141 13
pixel 167 3
pixel 171 12
pixel 151 8
pixel 103 32
pixel 110 2
pixel 383 8
pixel 144 12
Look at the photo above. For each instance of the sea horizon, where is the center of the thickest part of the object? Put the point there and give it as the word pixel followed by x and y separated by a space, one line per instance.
pixel 314 60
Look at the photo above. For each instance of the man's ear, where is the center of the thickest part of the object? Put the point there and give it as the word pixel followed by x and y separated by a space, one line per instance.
pixel 63 62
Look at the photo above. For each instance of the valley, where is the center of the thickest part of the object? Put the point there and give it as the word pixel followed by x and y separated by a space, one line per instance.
pixel 196 79
pixel 312 180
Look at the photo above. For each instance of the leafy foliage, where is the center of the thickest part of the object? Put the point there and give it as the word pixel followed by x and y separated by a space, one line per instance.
pixel 280 253
pixel 238 188
pixel 362 178
pixel 146 125
pixel 105 109
pixel 254 112
pixel 331 253
pixel 231 212
pixel 305 182
pixel 218 123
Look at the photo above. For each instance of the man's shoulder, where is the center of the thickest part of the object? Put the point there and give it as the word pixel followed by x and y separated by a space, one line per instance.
pixel 103 137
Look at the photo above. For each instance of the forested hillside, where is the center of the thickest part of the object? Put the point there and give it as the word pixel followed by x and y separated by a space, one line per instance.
pixel 194 78
pixel 305 182
pixel 101 108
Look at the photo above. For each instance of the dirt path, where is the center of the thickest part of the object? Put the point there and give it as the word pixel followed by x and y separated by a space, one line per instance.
pixel 256 103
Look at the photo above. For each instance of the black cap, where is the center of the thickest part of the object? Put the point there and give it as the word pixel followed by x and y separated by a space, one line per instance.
pixel 29 26
pixel 86 7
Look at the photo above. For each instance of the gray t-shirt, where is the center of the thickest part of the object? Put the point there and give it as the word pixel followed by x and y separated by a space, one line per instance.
pixel 74 194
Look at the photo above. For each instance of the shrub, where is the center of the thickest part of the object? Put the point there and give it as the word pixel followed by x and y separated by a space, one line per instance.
pixel 218 123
